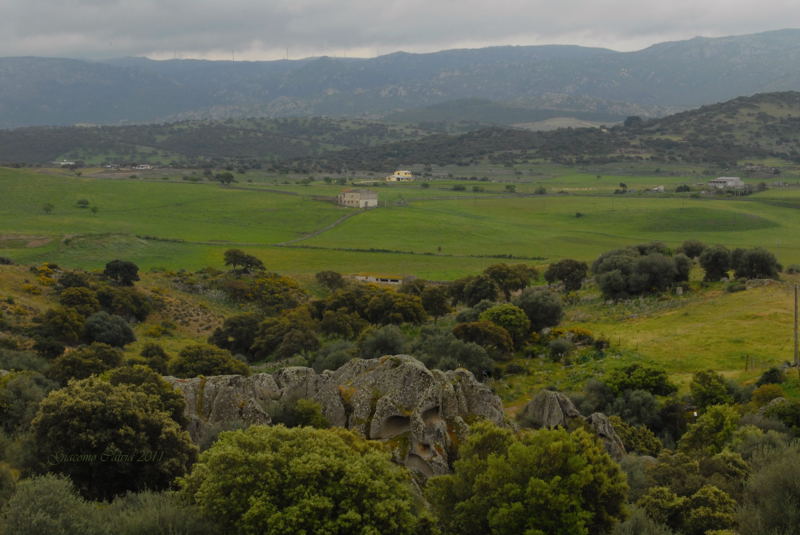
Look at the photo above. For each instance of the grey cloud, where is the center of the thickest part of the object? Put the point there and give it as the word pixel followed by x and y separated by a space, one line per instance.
pixel 258 28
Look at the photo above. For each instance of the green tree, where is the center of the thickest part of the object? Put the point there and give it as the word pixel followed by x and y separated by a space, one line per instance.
pixel 123 272
pixel 571 273
pixel 275 480
pixel 204 359
pixel 20 394
pixel 435 301
pixel 535 482
pixel 543 307
pixel 84 362
pixel 84 300
pixel 237 334
pixel 154 357
pixel 510 317
pixel 709 509
pixel 148 381
pixel 487 335
pixel 386 340
pixel 709 388
pixel 48 505
pixel 639 377
pixel 716 261
pixel 61 324
pixel 756 263
pixel 510 278
pixel 771 502
pixel 712 431
pixel 692 248
pixel 331 280
pixel 241 262
pixel 108 329
pixel 109 439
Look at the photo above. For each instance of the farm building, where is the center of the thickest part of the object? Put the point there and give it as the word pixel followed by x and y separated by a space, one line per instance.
pixel 401 175
pixel 358 198
pixel 380 279
pixel 724 182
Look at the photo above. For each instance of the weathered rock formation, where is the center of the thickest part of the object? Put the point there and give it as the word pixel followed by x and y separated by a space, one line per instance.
pixel 422 413
pixel 554 409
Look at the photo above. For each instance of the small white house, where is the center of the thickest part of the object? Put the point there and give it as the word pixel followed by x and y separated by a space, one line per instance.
pixel 401 175
pixel 726 182
pixel 358 198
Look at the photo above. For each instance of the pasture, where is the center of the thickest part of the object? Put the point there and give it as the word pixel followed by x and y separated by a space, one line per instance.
pixel 432 232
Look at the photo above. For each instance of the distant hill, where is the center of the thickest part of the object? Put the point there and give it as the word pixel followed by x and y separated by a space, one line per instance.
pixel 663 78
pixel 760 126
pixel 764 125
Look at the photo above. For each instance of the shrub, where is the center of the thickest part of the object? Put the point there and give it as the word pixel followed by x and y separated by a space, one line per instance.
pixel 108 329
pixel 771 376
pixel 203 359
pixel 320 481
pixel 84 362
pixel 716 261
pixel 386 340
pixel 48 505
pixel 543 307
pixel 100 435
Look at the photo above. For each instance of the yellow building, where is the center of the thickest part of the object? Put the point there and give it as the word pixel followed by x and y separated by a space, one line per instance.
pixel 401 175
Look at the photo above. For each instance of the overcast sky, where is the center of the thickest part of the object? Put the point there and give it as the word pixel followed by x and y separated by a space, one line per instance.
pixel 271 29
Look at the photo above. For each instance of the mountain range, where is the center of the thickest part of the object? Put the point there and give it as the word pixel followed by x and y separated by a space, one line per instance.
pixel 550 80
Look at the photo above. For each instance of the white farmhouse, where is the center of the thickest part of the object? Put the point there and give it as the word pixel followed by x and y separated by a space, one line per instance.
pixel 726 182
pixel 358 198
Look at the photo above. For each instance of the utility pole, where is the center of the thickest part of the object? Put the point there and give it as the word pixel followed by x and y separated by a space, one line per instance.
pixel 796 353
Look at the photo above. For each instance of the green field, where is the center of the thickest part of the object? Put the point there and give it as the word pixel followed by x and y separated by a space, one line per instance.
pixel 432 232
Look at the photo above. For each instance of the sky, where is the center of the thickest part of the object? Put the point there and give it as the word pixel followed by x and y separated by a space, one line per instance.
pixel 277 29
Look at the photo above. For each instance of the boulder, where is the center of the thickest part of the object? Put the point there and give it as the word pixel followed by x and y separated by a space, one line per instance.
pixel 421 413
pixel 602 426
pixel 554 409
pixel 550 409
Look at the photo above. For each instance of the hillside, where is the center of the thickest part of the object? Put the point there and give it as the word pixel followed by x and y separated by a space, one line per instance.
pixel 757 127
pixel 761 126
pixel 664 77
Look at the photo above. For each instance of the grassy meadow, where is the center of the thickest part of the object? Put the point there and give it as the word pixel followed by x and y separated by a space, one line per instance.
pixel 432 232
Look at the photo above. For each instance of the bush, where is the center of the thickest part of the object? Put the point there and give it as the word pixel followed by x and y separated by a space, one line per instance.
pixel 156 513
pixel 439 349
pixel 501 478
pixel 771 503
pixel 639 377
pixel 571 273
pixel 48 505
pixel 493 338
pixel 543 307
pixel 692 248
pixel 386 340
pixel 203 359
pixel 109 439
pixel 510 317
pixel 716 261
pixel 108 329
pixel 771 376
pixel 84 362
pixel 333 355
pixel 320 481
pixel 299 413
pixel 756 263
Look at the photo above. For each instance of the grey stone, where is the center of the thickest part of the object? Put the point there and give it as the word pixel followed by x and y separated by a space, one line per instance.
pixel 421 413
pixel 600 424
pixel 550 409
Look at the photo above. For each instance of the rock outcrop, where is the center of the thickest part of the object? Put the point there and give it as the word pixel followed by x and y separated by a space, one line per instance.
pixel 422 413
pixel 554 409
pixel 550 409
